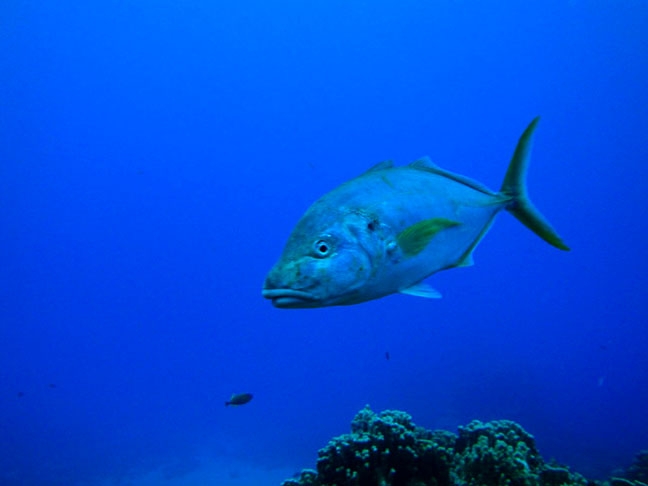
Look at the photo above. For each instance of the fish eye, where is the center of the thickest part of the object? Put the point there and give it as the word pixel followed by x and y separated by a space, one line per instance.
pixel 322 248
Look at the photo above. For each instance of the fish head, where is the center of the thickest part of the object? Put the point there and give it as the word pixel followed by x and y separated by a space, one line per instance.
pixel 326 261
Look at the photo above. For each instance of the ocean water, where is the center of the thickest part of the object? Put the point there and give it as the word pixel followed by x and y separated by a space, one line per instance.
pixel 154 156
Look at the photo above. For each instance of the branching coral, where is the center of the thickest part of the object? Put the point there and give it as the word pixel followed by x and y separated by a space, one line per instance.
pixel 387 449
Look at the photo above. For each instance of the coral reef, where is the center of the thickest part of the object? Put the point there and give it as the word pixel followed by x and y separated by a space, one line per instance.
pixel 498 452
pixel 636 474
pixel 384 449
pixel 388 449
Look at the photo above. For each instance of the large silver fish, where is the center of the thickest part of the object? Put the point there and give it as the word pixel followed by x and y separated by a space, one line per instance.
pixel 389 229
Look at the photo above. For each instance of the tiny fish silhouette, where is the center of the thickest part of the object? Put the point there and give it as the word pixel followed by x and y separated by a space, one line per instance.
pixel 387 355
pixel 239 399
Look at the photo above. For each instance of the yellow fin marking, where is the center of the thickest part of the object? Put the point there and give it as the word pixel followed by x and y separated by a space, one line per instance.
pixel 415 239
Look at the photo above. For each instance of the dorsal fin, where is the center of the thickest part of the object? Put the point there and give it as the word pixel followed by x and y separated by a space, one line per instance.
pixel 425 164
pixel 385 164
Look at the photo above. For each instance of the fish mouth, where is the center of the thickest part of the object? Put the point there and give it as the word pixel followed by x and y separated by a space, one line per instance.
pixel 289 298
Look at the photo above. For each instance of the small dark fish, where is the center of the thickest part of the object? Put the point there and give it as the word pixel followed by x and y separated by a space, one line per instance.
pixel 387 355
pixel 52 385
pixel 21 394
pixel 239 399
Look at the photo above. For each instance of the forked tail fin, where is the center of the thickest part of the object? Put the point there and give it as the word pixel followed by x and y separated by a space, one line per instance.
pixel 514 187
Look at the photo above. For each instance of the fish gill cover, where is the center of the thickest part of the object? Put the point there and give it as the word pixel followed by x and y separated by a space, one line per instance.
pixel 154 157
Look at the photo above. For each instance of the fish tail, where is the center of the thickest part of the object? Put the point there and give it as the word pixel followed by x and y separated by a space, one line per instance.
pixel 514 188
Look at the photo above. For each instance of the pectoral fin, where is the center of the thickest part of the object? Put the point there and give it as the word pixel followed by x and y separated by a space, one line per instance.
pixel 422 289
pixel 415 239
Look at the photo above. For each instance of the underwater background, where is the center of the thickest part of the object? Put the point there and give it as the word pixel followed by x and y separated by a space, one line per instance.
pixel 155 155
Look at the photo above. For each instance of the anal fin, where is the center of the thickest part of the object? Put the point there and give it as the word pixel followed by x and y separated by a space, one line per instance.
pixel 467 261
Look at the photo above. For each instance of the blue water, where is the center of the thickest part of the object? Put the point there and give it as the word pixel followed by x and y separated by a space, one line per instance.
pixel 154 156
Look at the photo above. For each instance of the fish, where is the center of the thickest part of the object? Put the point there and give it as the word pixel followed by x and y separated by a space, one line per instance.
pixel 391 228
pixel 239 399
